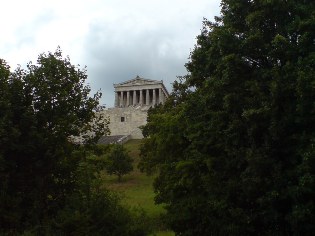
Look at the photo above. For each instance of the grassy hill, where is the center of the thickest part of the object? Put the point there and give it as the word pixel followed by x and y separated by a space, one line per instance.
pixel 137 191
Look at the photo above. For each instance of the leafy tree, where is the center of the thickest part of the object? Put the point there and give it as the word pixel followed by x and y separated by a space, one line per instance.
pixel 119 161
pixel 234 144
pixel 42 109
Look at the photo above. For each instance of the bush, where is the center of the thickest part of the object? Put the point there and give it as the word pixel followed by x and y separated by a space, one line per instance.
pixel 119 162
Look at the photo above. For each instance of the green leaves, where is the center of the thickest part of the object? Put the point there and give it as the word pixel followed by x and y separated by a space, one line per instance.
pixel 229 154
pixel 42 108
pixel 119 162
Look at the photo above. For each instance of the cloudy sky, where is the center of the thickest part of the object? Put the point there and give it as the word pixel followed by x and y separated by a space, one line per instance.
pixel 116 39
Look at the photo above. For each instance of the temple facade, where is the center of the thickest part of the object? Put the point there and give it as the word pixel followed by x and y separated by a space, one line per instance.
pixel 133 98
pixel 140 92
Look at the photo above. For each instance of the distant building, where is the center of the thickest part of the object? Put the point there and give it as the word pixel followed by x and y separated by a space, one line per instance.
pixel 139 91
pixel 133 98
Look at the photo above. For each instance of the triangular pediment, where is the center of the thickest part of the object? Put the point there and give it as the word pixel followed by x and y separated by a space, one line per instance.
pixel 138 81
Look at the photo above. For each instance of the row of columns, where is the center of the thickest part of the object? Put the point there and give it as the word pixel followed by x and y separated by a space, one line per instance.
pixel 139 97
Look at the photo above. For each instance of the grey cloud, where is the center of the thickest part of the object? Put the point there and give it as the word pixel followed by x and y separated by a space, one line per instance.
pixel 151 39
pixel 115 56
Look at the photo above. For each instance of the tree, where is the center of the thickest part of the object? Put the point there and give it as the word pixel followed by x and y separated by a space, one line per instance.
pixel 42 107
pixel 119 161
pixel 243 124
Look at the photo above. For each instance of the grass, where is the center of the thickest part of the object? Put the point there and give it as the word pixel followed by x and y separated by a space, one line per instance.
pixel 137 191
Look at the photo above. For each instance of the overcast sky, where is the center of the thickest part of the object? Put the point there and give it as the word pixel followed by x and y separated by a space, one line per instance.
pixel 116 39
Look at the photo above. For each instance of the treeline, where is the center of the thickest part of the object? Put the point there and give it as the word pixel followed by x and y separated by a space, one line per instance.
pixel 234 145
pixel 49 185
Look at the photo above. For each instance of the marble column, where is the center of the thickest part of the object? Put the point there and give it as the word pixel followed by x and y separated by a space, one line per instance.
pixel 116 99
pixel 121 99
pixel 134 98
pixel 141 98
pixel 161 96
pixel 128 99
pixel 154 98
pixel 160 93
pixel 147 97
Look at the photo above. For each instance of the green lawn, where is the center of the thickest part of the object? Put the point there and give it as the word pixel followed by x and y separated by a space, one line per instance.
pixel 137 191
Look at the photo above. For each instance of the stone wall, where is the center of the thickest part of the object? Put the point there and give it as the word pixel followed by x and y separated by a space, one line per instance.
pixel 127 120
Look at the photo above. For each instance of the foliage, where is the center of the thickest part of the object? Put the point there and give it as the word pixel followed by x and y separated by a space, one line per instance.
pixel 93 210
pixel 42 108
pixel 137 193
pixel 49 185
pixel 119 161
pixel 234 143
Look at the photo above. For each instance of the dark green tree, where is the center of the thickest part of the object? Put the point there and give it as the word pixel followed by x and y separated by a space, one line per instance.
pixel 43 109
pixel 119 162
pixel 234 145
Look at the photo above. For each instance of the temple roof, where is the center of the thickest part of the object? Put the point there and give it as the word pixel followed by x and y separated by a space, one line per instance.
pixel 141 82
pixel 138 81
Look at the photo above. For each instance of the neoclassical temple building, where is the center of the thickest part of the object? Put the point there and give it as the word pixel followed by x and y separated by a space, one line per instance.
pixel 133 98
pixel 139 91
